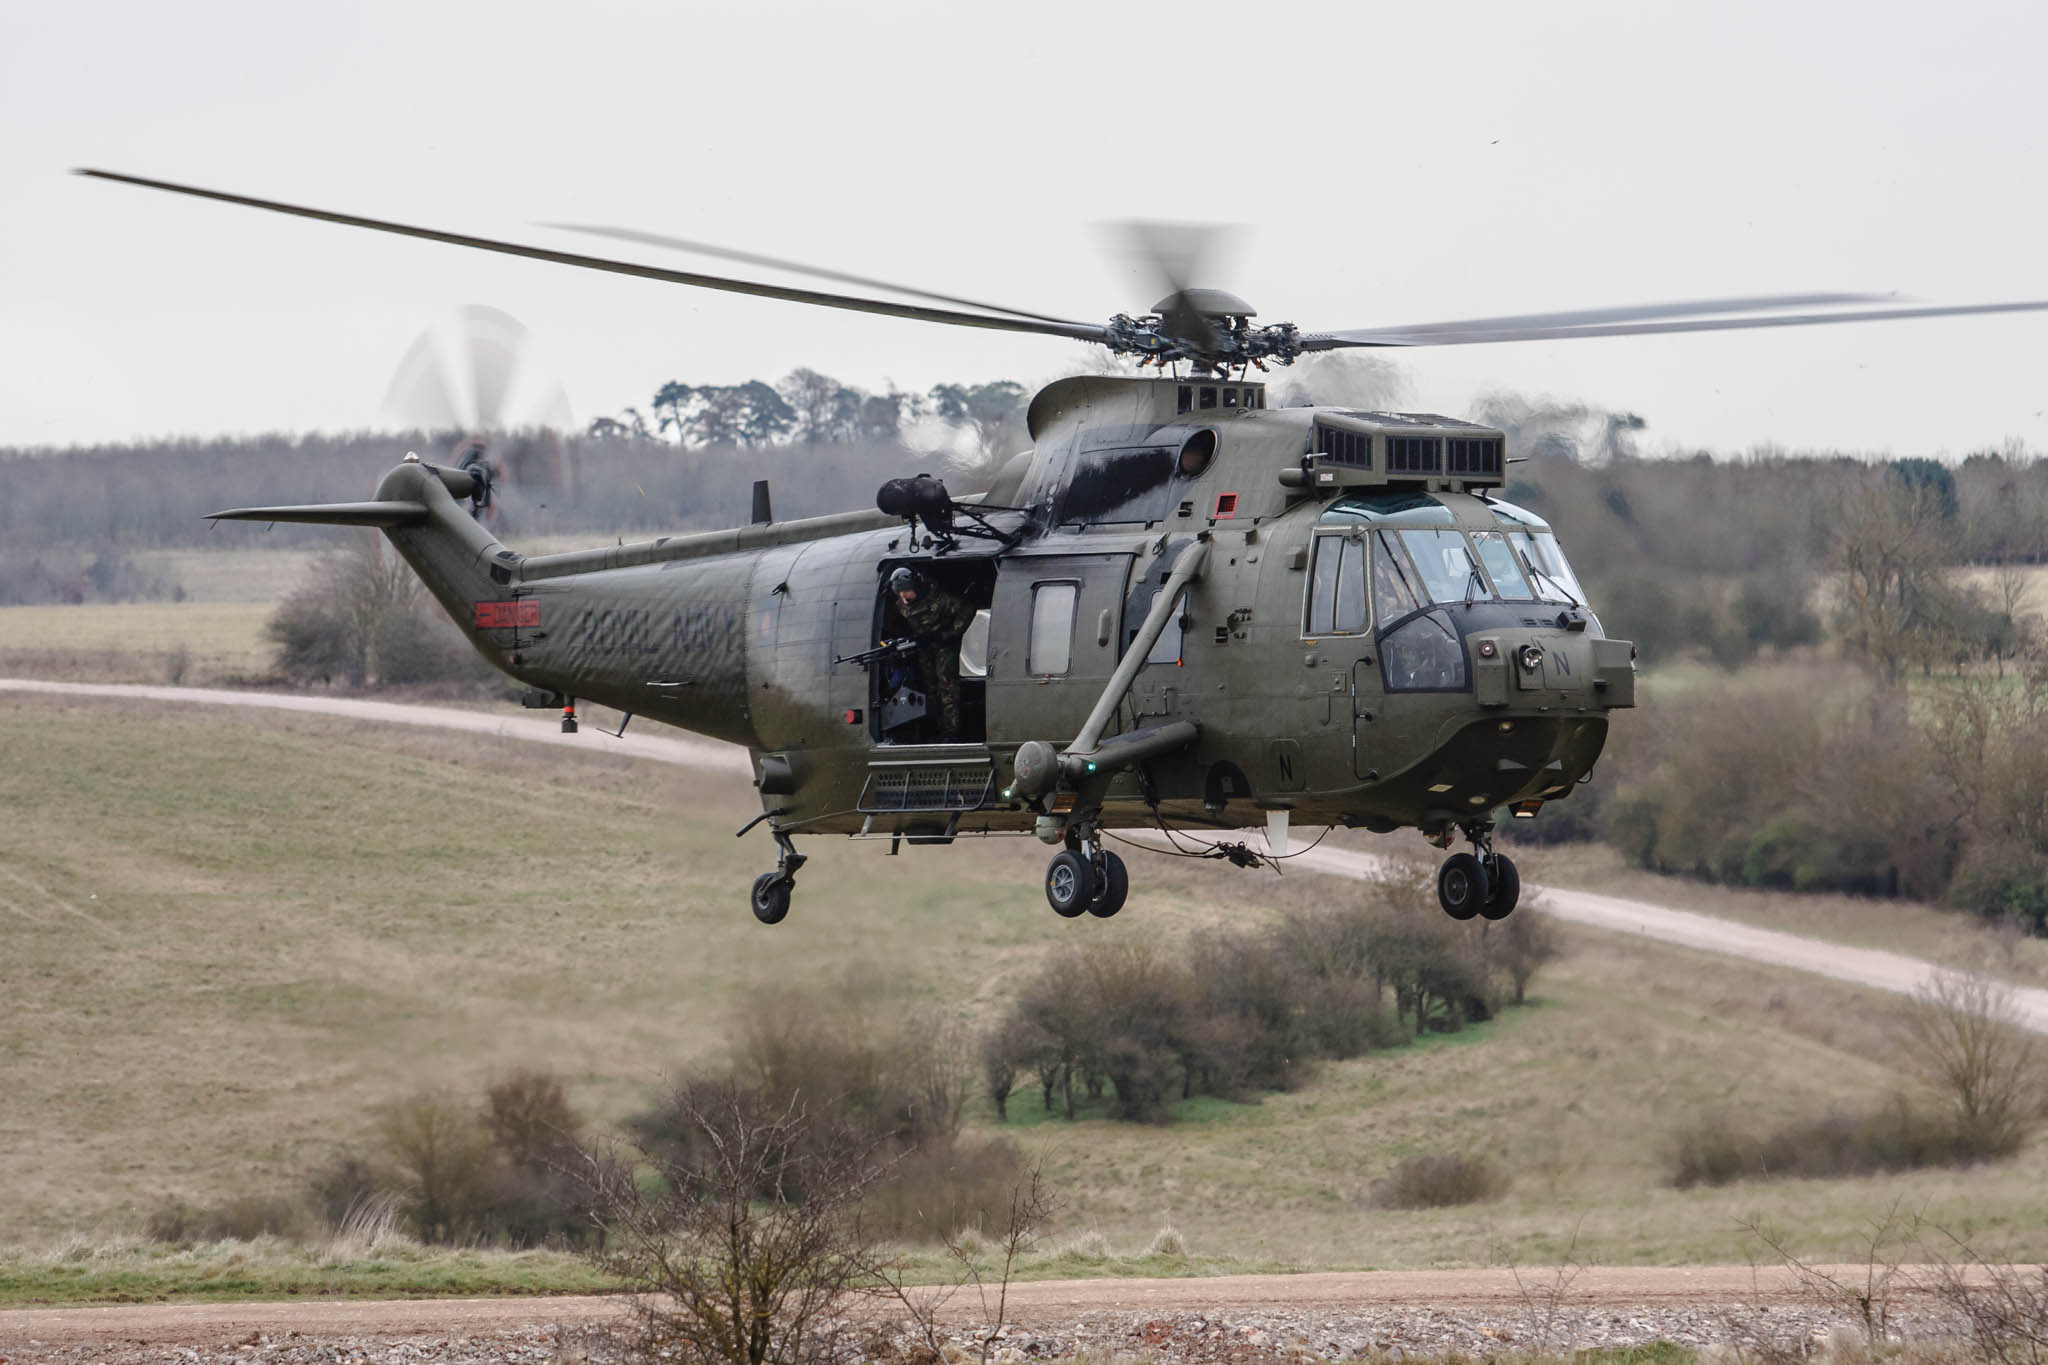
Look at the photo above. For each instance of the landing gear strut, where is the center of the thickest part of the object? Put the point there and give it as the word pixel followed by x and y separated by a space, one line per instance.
pixel 1481 882
pixel 1086 878
pixel 771 893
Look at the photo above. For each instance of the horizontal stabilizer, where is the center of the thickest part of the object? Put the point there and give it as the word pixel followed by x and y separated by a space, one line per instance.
pixel 333 514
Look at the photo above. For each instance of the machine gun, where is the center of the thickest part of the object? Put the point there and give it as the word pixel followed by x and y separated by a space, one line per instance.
pixel 881 651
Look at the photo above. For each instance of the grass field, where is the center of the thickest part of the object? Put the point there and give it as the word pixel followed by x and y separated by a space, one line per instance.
pixel 142 642
pixel 231 937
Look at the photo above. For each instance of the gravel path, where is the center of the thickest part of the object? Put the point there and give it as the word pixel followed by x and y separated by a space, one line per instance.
pixel 1236 1319
pixel 1859 966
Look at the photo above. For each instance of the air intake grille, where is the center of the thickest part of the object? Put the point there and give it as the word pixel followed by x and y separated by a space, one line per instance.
pixel 1352 448
pixel 936 788
pixel 1479 455
pixel 1415 455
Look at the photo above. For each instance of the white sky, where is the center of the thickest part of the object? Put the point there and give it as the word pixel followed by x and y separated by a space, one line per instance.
pixel 1393 164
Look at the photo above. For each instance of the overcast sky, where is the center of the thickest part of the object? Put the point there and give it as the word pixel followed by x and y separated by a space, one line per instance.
pixel 1390 164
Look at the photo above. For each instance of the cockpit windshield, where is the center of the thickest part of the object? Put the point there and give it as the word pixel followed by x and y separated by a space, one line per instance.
pixel 1500 562
pixel 1555 581
pixel 1445 562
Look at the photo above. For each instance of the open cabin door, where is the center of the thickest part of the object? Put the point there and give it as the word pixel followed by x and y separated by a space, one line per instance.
pixel 1054 637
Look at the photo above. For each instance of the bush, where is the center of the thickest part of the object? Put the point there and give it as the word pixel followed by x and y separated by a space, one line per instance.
pixel 364 617
pixel 750 1250
pixel 243 1218
pixel 1244 1012
pixel 1895 1136
pixel 939 1190
pixel 1439 1182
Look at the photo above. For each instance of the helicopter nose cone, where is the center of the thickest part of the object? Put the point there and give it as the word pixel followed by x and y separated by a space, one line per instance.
pixel 1208 303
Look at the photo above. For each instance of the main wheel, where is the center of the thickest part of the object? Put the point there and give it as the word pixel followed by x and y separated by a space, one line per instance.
pixel 1116 884
pixel 1461 886
pixel 1506 891
pixel 1069 884
pixel 771 897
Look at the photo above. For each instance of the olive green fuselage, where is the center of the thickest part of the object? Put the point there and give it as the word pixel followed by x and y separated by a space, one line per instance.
pixel 735 634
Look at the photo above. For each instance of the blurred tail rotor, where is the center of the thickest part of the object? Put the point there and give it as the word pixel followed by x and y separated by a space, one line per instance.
pixel 474 381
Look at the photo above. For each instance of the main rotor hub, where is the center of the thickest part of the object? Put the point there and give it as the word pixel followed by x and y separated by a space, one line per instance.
pixel 1209 303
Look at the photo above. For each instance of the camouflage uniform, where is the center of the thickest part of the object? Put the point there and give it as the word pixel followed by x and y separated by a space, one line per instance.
pixel 937 620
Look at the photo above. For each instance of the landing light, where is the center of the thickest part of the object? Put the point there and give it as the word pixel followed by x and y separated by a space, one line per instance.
pixel 1525 810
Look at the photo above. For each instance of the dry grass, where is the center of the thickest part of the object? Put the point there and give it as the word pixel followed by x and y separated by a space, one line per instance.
pixel 231 936
pixel 135 641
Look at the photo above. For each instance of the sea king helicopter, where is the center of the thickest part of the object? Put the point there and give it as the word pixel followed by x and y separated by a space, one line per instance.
pixel 1189 610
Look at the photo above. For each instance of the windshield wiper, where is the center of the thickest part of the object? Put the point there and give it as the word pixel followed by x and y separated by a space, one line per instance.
pixel 1559 586
pixel 1473 582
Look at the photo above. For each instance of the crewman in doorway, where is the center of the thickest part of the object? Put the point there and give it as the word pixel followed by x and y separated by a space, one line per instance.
pixel 937 619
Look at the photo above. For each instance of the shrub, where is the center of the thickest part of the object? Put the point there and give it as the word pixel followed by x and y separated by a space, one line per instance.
pixel 442 1161
pixel 1894 1136
pixel 243 1218
pixel 1168 1241
pixel 1250 1011
pixel 733 1265
pixel 1965 1033
pixel 1438 1182
pixel 938 1191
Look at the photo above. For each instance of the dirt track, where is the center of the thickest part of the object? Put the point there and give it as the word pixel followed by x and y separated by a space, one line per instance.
pixel 1239 1318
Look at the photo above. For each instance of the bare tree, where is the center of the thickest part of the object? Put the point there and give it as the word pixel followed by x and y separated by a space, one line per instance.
pixel 1889 550
pixel 1965 1033
pixel 749 1251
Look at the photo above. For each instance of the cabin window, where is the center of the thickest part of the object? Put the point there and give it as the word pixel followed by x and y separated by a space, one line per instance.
pixel 1230 398
pixel 1208 395
pixel 1052 627
pixel 1166 650
pixel 1444 560
pixel 1336 601
pixel 1187 398
pixel 1501 564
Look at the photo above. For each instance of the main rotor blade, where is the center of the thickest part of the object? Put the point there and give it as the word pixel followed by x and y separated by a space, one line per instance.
pixel 1080 331
pixel 727 253
pixel 1327 341
pixel 1641 312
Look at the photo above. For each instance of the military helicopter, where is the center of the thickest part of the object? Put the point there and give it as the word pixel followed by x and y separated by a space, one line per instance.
pixel 1190 610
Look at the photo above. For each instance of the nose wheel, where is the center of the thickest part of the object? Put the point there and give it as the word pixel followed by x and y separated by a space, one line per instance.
pixel 1482 883
pixel 1086 879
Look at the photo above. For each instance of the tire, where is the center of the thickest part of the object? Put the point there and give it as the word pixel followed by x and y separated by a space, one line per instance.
pixel 1507 889
pixel 1461 886
pixel 1069 884
pixel 1116 885
pixel 771 897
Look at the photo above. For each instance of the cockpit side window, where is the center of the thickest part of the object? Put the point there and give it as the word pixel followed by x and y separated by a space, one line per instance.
pixel 1336 598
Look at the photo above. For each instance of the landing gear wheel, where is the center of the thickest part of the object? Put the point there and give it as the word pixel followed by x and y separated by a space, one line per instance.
pixel 771 897
pixel 1506 889
pixel 1116 884
pixel 1069 884
pixel 1461 886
